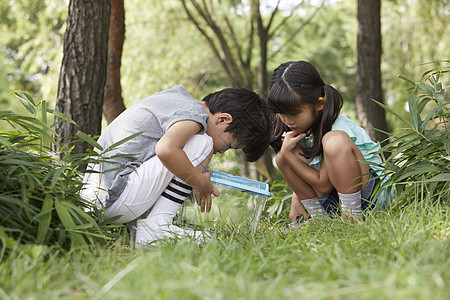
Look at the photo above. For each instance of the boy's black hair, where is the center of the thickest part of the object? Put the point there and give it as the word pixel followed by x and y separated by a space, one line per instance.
pixel 294 86
pixel 251 125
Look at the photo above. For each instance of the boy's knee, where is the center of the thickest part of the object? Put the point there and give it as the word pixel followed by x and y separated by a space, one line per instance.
pixel 199 148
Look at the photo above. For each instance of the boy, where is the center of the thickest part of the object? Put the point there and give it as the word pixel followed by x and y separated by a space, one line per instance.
pixel 181 134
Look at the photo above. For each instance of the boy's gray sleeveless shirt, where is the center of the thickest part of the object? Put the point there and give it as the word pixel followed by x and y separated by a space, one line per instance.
pixel 154 115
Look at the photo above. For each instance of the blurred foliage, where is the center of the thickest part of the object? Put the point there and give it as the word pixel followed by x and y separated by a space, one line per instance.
pixel 161 50
pixel 31 47
pixel 329 43
pixel 414 41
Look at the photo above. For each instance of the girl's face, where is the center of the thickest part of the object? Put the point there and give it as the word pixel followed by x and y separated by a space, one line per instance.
pixel 303 121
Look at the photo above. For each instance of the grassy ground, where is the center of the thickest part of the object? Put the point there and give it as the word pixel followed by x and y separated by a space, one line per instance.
pixel 401 256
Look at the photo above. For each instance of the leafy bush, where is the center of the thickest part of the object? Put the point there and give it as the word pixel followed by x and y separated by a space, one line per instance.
pixel 280 200
pixel 39 190
pixel 419 162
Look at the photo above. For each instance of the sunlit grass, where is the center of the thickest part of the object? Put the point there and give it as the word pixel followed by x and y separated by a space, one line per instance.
pixel 390 256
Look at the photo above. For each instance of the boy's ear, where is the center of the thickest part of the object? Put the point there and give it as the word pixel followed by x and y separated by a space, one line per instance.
pixel 320 103
pixel 225 118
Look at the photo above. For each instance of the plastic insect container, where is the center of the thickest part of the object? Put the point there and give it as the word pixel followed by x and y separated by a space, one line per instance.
pixel 239 206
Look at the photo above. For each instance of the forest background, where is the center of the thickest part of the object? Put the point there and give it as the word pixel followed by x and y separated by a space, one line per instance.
pixel 162 47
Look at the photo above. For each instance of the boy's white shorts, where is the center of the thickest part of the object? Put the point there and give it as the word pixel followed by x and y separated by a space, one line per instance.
pixel 145 185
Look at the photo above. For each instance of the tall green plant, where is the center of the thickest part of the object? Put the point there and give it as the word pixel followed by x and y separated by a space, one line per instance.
pixel 39 190
pixel 419 164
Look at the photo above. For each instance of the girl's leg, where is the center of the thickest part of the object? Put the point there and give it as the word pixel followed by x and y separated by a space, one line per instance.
pixel 345 170
pixel 302 192
pixel 297 208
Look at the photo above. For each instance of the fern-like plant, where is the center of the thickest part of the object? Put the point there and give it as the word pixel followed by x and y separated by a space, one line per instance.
pixel 39 190
pixel 419 164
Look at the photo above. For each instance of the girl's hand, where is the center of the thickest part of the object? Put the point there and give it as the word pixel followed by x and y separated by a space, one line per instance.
pixel 291 140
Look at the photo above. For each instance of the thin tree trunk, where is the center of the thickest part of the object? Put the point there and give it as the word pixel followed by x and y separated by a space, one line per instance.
pixel 368 76
pixel 263 81
pixel 83 69
pixel 113 102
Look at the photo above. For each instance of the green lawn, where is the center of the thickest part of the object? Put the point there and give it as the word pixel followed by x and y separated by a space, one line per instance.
pixel 401 256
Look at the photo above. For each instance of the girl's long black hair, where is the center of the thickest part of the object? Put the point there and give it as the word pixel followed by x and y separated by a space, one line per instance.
pixel 297 85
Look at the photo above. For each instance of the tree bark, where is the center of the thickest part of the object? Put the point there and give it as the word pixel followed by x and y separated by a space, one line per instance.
pixel 368 75
pixel 263 77
pixel 113 102
pixel 83 70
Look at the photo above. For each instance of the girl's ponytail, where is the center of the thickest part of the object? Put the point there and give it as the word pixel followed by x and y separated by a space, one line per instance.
pixel 333 104
pixel 329 114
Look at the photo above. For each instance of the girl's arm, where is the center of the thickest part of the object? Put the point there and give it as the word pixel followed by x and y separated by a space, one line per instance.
pixel 318 180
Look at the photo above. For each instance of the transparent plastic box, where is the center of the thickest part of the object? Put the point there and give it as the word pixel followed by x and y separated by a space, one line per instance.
pixel 239 206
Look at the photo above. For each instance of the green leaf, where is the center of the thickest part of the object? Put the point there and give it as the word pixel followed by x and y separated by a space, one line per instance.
pixel 44 112
pixel 29 105
pixel 440 177
pixel 423 103
pixel 64 215
pixel 6 241
pixel 123 141
pixel 6 112
pixel 425 87
pixel 392 111
pixel 406 79
pixel 61 116
pixel 45 217
pixel 29 98
pixel 420 169
pixel 89 140
pixel 77 239
pixel 5 142
pixel 57 176
pixel 415 118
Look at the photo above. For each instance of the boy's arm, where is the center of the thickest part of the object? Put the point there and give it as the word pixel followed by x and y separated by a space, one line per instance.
pixel 169 150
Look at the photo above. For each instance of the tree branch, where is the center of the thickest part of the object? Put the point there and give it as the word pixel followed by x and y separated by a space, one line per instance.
pixel 284 20
pixel 296 32
pixel 208 39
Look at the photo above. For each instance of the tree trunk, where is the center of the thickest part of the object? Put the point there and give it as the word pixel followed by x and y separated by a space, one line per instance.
pixel 113 102
pixel 83 69
pixel 263 80
pixel 368 75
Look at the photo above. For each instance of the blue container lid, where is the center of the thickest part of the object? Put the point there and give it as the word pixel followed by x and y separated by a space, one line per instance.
pixel 242 184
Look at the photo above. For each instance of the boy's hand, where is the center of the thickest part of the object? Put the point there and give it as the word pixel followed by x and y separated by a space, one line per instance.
pixel 202 195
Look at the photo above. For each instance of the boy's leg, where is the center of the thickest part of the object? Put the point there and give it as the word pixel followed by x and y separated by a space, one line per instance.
pixel 345 170
pixel 158 224
pixel 146 185
pixel 94 187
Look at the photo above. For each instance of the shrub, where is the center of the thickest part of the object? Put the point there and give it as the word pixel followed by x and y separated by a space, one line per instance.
pixel 418 165
pixel 39 189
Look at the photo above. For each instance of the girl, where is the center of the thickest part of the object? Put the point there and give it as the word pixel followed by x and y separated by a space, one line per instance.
pixel 325 158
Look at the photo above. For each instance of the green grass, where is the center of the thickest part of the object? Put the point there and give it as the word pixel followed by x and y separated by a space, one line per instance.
pixel 390 256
